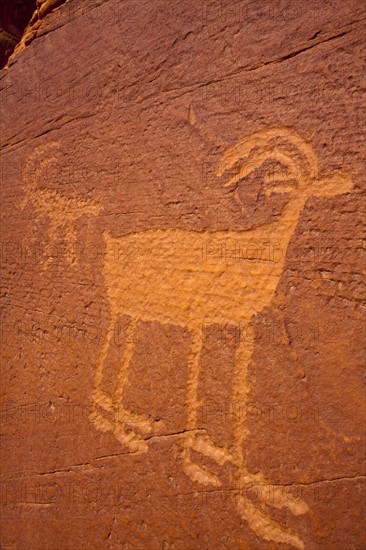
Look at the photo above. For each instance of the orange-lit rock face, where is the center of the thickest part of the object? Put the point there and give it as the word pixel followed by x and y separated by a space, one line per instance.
pixel 182 265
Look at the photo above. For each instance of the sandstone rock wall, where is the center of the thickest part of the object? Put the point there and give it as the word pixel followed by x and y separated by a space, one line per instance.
pixel 182 266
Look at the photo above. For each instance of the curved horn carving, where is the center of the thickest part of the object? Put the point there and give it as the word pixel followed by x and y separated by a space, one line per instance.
pixel 279 144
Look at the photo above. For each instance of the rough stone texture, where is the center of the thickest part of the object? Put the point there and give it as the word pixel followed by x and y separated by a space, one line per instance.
pixel 182 305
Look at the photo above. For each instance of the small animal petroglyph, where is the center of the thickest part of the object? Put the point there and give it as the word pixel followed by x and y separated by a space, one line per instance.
pixel 60 211
pixel 170 283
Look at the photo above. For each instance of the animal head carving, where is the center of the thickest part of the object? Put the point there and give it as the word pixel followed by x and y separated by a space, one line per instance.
pixel 289 163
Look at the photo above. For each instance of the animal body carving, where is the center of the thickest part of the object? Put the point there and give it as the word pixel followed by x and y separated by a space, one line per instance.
pixel 172 282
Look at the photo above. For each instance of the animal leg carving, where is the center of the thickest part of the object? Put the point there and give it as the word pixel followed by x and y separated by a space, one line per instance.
pixel 240 394
pixel 100 400
pixel 196 441
pixel 132 420
pixel 256 517
pixel 115 417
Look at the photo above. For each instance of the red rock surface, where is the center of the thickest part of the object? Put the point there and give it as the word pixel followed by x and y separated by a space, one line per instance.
pixel 182 266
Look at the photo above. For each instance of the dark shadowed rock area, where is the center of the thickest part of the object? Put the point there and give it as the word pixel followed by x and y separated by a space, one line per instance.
pixel 14 18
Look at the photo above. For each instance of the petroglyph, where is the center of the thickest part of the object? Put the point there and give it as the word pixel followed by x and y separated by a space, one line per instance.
pixel 60 211
pixel 174 280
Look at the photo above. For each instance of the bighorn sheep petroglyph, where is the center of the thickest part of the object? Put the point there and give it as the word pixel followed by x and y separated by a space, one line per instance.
pixel 172 282
pixel 60 210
